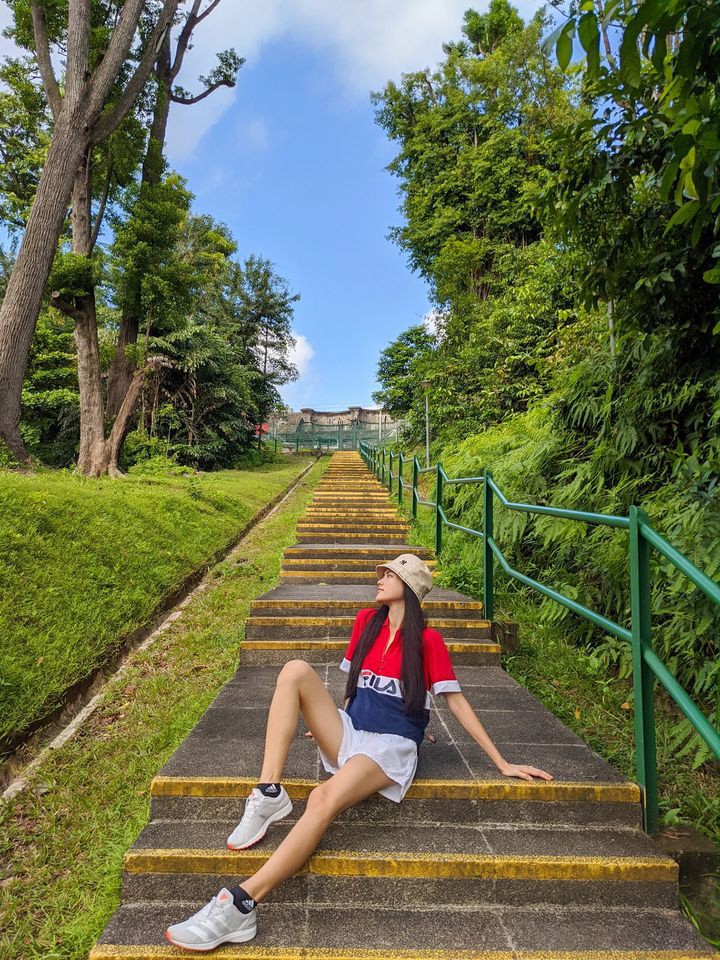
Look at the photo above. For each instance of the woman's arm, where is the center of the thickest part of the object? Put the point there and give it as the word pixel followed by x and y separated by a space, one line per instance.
pixel 464 713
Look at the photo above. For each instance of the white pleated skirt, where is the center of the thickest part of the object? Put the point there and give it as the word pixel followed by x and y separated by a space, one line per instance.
pixel 396 755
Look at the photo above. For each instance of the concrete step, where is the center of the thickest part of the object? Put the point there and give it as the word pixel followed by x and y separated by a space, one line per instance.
pixel 228 740
pixel 281 607
pixel 330 600
pixel 494 801
pixel 468 931
pixel 296 627
pixel 352 513
pixel 321 527
pixel 393 540
pixel 331 650
pixel 523 861
pixel 372 552
pixel 344 564
pixel 357 500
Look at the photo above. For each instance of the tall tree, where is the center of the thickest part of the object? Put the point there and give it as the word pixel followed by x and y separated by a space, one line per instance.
pixel 166 72
pixel 85 112
pixel 265 307
pixel 98 454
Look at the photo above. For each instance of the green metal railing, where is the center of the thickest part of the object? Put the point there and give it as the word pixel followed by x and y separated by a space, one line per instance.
pixel 646 665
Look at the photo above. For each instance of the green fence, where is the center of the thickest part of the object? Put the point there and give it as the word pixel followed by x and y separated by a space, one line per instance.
pixel 388 467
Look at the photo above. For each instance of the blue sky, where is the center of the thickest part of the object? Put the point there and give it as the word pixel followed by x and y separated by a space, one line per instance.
pixel 292 160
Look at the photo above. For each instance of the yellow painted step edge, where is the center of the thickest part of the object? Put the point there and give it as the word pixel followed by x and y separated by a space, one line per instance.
pixel 474 646
pixel 300 604
pixel 108 951
pixel 349 621
pixel 419 789
pixel 385 863
pixel 292 561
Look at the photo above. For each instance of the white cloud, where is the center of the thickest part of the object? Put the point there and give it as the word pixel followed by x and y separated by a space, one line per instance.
pixel 368 41
pixel 301 354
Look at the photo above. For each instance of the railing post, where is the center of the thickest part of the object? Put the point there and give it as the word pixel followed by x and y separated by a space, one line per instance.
pixel 297 443
pixel 643 678
pixel 390 473
pixel 401 461
pixel 382 480
pixel 438 508
pixel 415 487
pixel 488 558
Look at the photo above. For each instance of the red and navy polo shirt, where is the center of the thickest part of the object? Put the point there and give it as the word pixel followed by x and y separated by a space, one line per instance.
pixel 378 704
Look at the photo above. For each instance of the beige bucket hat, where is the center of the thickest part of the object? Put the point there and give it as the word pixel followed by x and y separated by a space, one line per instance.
pixel 412 571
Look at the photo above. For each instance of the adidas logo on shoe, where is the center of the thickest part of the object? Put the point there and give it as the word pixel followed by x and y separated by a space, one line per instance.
pixel 250 904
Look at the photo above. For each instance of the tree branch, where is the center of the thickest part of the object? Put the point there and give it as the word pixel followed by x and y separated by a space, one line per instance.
pixel 103 78
pixel 78 40
pixel 42 52
pixel 206 12
pixel 64 306
pixel 184 39
pixel 188 101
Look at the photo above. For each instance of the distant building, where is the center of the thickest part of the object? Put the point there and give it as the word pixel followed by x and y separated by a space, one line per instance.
pixel 341 428
pixel 362 416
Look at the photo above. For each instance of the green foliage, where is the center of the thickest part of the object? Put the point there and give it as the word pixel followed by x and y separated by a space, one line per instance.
pixel 475 146
pixel 50 401
pixel 24 139
pixel 568 246
pixel 73 274
pixel 666 85
pixel 399 370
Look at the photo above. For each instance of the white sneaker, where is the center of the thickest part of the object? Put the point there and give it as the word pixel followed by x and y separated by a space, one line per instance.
pixel 260 812
pixel 219 921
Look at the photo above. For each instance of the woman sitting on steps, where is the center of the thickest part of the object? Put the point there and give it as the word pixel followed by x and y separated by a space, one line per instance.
pixel 370 746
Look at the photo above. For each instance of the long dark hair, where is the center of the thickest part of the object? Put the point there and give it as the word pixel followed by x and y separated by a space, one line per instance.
pixel 413 674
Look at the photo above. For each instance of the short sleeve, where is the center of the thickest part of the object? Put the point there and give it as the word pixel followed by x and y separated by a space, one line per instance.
pixel 439 672
pixel 360 621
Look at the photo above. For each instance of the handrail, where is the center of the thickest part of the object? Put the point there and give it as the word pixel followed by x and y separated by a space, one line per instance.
pixel 647 667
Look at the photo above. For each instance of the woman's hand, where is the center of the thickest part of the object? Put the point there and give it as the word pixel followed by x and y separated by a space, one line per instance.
pixel 523 771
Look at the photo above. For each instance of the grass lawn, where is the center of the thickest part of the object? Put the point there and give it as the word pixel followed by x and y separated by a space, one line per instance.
pixel 63 839
pixel 84 562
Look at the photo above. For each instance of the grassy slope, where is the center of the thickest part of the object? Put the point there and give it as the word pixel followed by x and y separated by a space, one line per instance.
pixel 63 840
pixel 85 562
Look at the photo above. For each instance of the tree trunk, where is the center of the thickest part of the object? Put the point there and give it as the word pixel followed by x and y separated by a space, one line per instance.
pixel 120 373
pixel 114 443
pixel 23 298
pixel 91 460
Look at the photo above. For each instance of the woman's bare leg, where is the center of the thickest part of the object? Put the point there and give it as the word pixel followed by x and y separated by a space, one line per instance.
pixel 299 687
pixel 360 777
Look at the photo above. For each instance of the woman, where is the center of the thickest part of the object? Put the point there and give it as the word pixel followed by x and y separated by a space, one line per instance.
pixel 394 661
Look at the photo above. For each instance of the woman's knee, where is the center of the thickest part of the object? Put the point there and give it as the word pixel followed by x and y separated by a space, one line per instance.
pixel 294 671
pixel 322 803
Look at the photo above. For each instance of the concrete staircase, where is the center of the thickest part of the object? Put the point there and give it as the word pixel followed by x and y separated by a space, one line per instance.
pixel 470 865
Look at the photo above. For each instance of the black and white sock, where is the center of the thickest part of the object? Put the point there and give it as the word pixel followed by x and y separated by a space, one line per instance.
pixel 269 789
pixel 242 900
